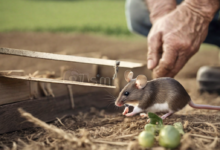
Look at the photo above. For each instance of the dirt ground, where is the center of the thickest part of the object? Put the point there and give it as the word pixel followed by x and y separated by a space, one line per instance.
pixel 100 129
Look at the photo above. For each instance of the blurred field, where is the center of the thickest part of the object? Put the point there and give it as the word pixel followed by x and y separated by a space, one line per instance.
pixel 100 16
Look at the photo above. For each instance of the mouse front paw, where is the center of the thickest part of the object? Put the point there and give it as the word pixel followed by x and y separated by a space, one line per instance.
pixel 135 111
pixel 130 114
pixel 126 110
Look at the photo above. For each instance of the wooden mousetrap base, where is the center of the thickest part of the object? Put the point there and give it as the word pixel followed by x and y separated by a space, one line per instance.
pixel 48 98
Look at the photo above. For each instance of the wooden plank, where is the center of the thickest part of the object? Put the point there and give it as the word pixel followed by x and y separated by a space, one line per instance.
pixel 13 90
pixel 12 72
pixel 46 109
pixel 78 59
pixel 27 78
pixel 49 108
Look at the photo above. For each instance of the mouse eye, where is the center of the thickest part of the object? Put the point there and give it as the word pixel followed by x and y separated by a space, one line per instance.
pixel 126 93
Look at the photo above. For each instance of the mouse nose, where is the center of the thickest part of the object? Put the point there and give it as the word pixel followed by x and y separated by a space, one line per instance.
pixel 118 104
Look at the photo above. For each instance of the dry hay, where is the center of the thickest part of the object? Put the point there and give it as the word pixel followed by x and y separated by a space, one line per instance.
pixel 100 130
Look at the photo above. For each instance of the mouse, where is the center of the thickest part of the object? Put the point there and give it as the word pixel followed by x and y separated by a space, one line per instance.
pixel 163 94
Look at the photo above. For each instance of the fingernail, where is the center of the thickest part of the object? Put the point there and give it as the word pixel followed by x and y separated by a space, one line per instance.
pixel 150 64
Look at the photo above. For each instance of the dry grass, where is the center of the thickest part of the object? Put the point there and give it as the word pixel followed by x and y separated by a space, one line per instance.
pixel 97 130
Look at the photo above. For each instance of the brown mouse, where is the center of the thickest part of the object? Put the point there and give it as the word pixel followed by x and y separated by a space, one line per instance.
pixel 158 95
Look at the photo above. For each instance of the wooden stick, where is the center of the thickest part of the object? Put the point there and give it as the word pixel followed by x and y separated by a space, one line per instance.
pixel 69 58
pixel 111 143
pixel 202 136
pixel 126 136
pixel 28 78
pixel 69 87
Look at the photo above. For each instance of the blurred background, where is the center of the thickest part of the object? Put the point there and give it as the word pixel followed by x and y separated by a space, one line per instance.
pixel 69 27
pixel 91 28
pixel 84 16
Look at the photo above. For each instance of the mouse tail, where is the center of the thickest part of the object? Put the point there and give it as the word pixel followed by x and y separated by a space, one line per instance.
pixel 199 106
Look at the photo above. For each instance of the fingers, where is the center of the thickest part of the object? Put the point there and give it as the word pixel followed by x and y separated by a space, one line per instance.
pixel 167 62
pixel 182 58
pixel 154 46
pixel 181 61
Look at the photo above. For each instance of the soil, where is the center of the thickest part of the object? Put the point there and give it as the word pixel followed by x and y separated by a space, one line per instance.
pixel 102 129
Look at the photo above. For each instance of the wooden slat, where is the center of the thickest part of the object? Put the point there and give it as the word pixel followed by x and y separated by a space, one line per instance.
pixel 11 72
pixel 46 109
pixel 78 59
pixel 12 90
pixel 27 78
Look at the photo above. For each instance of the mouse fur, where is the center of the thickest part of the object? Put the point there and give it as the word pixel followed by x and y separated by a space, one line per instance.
pixel 157 91
pixel 158 95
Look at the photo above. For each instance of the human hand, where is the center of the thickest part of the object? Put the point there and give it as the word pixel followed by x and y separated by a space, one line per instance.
pixel 177 36
pixel 159 8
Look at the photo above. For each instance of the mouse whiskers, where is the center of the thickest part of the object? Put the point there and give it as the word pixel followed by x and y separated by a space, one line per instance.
pixel 109 94
pixel 111 103
pixel 110 100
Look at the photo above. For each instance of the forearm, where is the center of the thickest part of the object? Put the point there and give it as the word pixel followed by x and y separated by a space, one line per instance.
pixel 206 8
pixel 159 8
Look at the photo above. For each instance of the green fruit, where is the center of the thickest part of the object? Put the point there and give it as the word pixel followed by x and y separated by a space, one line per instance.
pixel 146 139
pixel 150 128
pixel 169 137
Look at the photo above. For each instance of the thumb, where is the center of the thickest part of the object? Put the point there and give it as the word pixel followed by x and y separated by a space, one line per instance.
pixel 154 46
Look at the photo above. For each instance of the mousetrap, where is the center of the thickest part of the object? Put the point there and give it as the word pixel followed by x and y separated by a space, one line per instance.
pixel 47 96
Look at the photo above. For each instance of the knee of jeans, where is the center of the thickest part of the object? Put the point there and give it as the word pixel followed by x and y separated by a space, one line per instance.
pixel 140 29
pixel 137 16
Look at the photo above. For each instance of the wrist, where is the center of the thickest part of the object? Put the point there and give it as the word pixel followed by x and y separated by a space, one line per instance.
pixel 204 8
pixel 159 8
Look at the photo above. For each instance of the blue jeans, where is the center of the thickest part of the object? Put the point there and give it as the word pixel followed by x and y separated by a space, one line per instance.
pixel 138 21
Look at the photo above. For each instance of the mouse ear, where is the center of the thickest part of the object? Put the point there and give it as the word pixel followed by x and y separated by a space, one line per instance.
pixel 128 75
pixel 141 81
